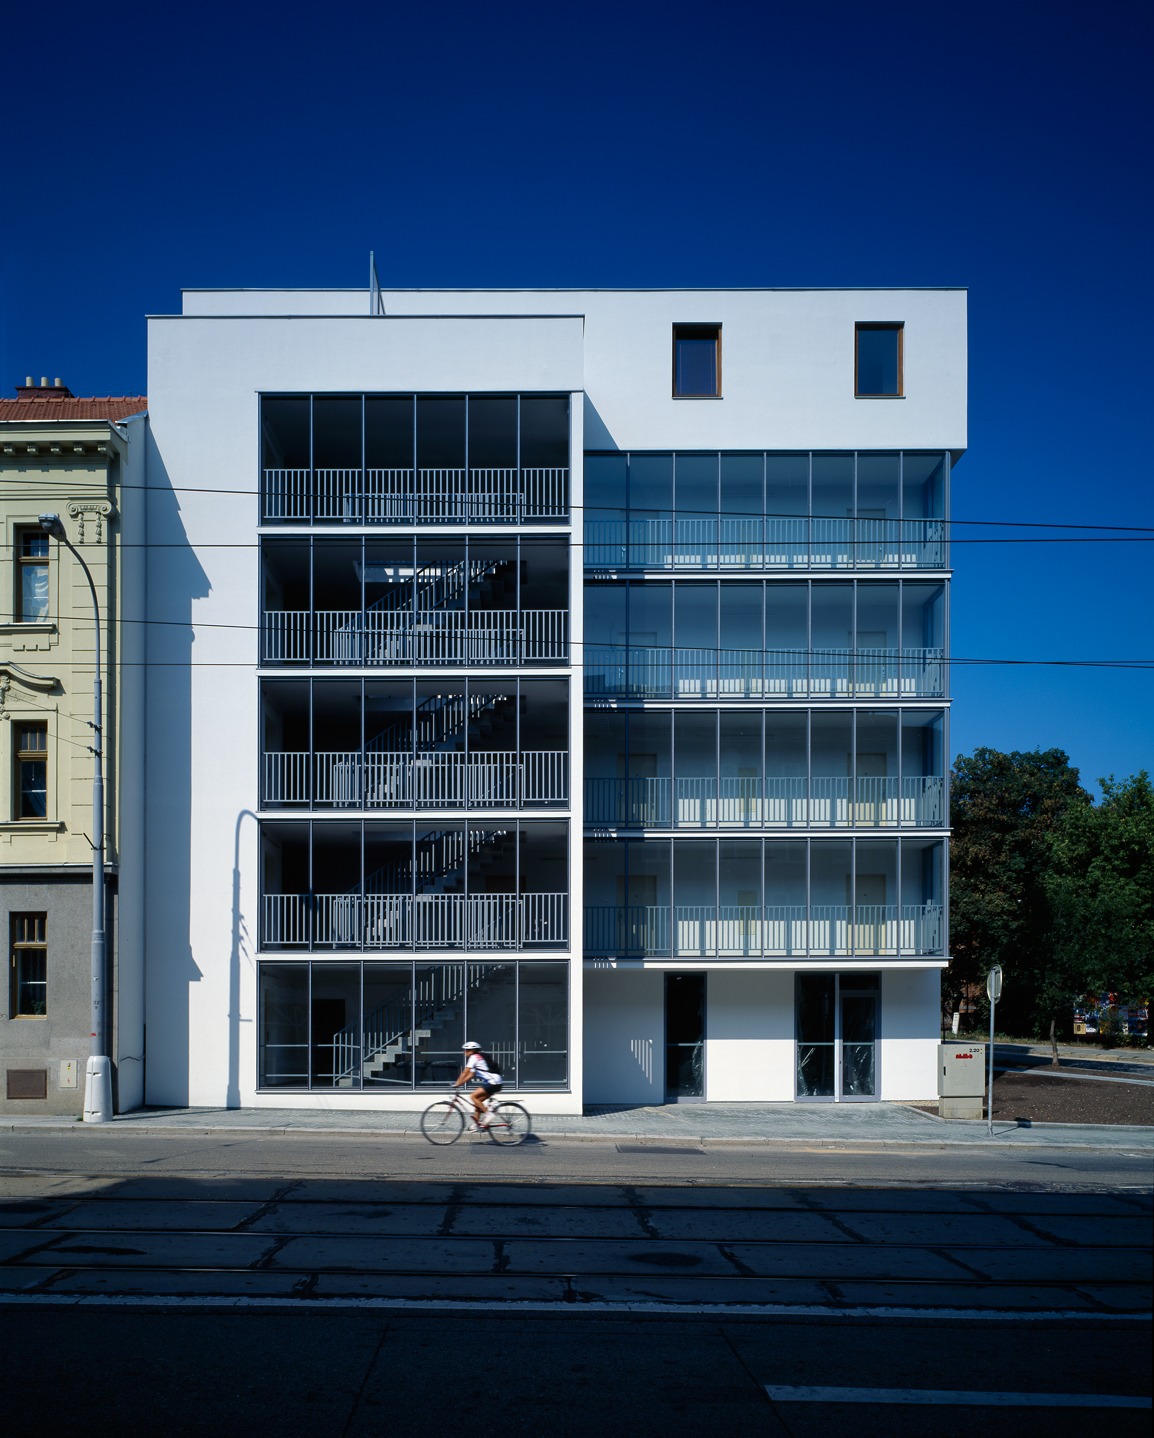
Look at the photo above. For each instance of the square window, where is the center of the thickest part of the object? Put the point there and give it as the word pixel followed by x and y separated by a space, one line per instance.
pixel 28 994
pixel 878 361
pixel 696 361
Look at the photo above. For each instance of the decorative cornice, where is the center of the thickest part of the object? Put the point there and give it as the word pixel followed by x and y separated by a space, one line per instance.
pixel 10 671
pixel 100 508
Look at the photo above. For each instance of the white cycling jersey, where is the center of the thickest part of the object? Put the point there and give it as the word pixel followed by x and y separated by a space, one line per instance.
pixel 479 1067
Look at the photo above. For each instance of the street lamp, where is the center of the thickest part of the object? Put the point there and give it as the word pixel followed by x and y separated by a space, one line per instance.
pixel 98 1077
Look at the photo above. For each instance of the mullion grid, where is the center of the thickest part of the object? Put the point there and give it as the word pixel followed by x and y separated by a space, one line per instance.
pixel 763 846
pixel 765 516
pixel 412 967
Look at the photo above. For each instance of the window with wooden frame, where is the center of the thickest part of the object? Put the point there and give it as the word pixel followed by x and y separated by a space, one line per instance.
pixel 697 361
pixel 28 982
pixel 32 560
pixel 31 786
pixel 877 360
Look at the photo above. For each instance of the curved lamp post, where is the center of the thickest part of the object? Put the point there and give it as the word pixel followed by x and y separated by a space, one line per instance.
pixel 98 1077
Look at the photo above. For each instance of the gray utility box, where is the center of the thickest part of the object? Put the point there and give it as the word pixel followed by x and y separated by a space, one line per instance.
pixel 961 1079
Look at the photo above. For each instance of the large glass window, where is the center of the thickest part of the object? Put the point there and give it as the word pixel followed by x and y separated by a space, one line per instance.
pixel 390 1027
pixel 404 459
pixel 695 769
pixel 765 510
pixel 448 885
pixel 741 897
pixel 357 602
pixel 695 544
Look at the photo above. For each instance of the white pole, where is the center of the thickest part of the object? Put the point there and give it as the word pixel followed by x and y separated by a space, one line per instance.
pixel 98 1076
pixel 990 1090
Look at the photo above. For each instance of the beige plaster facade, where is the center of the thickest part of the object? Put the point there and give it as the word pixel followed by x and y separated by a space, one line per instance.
pixel 74 468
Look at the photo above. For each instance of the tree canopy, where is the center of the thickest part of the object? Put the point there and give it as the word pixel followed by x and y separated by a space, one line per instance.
pixel 1056 889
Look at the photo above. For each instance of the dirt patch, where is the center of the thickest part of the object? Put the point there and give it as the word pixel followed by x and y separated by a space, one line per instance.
pixel 1054 1099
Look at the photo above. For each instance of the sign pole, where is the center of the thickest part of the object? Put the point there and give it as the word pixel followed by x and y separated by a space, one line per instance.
pixel 994 990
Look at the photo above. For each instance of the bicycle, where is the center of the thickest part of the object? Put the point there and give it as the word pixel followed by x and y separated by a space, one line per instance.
pixel 444 1122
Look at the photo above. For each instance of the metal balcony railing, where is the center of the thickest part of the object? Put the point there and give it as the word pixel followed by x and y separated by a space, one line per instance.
pixel 381 780
pixel 913 801
pixel 421 921
pixel 772 931
pixel 434 637
pixel 420 496
pixel 618 671
pixel 749 542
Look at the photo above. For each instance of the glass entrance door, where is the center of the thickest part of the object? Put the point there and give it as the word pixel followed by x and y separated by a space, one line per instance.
pixel 837 1035
pixel 858 1046
pixel 684 1038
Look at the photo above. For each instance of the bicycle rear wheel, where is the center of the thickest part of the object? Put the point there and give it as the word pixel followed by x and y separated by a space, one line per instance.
pixel 443 1122
pixel 509 1124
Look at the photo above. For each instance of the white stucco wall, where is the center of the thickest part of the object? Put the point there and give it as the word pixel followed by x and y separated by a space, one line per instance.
pixel 749 1046
pixel 624 1036
pixel 202 899
pixel 911 1031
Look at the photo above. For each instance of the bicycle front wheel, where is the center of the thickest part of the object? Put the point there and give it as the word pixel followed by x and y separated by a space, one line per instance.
pixel 509 1124
pixel 443 1122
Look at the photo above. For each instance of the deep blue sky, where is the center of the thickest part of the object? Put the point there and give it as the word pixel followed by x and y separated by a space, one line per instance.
pixel 1004 147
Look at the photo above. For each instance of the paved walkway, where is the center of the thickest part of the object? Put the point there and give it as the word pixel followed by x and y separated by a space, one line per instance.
pixel 696 1124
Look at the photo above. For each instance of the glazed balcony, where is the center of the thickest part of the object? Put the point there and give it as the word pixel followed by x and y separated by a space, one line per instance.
pixel 415 459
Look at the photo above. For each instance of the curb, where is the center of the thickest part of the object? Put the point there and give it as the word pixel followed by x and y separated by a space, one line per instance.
pixel 1124 1136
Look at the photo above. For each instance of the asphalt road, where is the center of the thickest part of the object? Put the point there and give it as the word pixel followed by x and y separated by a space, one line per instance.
pixel 207 1284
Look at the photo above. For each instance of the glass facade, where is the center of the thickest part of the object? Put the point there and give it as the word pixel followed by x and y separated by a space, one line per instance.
pixel 764 768
pixel 766 510
pixel 701 639
pixel 414 459
pixel 404 884
pixel 397 1026
pixel 364 602
pixel 752 899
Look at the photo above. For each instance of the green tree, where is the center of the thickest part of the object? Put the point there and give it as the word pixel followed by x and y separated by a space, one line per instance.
pixel 1005 811
pixel 1100 890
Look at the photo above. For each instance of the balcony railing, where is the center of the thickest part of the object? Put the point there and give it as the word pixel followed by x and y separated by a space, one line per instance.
pixel 748 542
pixel 381 780
pixel 614 671
pixel 421 921
pixel 706 802
pixel 421 496
pixel 437 637
pixel 772 931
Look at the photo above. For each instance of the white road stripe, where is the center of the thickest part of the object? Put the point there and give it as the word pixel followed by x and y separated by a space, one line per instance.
pixel 776 1310
pixel 958 1398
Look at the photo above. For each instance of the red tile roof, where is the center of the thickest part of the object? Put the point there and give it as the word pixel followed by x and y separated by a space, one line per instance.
pixel 44 411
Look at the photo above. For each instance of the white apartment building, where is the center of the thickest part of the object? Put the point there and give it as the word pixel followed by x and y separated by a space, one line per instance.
pixel 563 670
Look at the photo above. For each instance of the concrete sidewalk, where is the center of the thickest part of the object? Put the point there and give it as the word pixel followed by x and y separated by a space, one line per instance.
pixel 890 1124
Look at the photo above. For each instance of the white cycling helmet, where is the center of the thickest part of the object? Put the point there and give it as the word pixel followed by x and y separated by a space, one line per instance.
pixel 471 1046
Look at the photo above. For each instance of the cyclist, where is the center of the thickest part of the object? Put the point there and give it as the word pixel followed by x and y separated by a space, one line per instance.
pixel 481 1069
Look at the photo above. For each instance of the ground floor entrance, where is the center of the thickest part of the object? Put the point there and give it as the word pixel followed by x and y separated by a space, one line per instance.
pixel 748 1035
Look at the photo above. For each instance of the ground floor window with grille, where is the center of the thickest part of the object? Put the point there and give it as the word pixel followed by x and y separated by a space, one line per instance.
pixel 392 1027
pixel 28 984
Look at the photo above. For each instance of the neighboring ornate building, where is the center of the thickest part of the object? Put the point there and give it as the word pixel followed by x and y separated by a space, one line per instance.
pixel 68 455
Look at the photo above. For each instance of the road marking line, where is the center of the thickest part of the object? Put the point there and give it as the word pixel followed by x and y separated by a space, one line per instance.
pixel 954 1398
pixel 777 1310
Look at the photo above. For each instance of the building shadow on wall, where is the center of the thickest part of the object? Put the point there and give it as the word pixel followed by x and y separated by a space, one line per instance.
pixel 175 580
pixel 596 432
pixel 243 945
